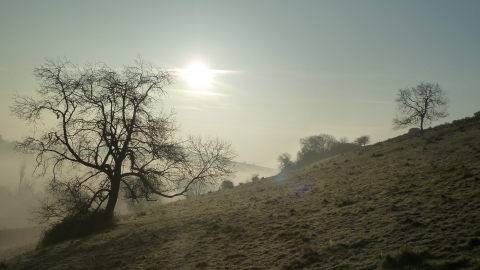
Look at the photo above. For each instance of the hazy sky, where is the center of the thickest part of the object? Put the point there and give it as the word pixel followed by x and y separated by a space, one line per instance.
pixel 284 69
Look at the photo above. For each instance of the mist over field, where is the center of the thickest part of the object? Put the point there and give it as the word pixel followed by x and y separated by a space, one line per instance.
pixel 273 134
pixel 16 197
pixel 244 172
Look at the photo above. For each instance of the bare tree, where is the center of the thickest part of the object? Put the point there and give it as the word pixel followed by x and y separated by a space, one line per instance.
pixel 111 138
pixel 317 143
pixel 255 177
pixel 21 174
pixel 420 106
pixel 343 140
pixel 363 140
pixel 314 148
pixel 285 162
pixel 198 188
pixel 25 186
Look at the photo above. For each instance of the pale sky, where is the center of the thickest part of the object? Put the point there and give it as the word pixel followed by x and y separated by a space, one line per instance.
pixel 283 69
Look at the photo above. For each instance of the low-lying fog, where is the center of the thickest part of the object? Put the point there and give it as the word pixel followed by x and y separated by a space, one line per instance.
pixel 19 192
pixel 17 189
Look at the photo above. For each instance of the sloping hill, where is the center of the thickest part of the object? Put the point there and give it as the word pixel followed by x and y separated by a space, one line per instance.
pixel 244 172
pixel 408 202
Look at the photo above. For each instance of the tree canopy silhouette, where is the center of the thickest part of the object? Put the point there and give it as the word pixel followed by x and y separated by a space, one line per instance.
pixel 420 106
pixel 314 148
pixel 285 162
pixel 363 140
pixel 111 137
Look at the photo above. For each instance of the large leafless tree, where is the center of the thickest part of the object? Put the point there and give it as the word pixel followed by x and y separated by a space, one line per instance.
pixel 420 106
pixel 111 138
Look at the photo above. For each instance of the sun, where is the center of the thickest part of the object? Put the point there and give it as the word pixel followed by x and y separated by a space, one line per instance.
pixel 198 75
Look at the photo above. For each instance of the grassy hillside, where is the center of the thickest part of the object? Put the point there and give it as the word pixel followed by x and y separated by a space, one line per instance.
pixel 408 202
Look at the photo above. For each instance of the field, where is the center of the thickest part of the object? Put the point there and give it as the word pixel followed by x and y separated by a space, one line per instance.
pixel 406 203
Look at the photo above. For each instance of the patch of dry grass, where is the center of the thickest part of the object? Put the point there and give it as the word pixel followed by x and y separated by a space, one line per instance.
pixel 408 202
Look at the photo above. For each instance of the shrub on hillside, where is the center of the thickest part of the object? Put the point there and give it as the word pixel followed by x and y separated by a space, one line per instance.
pixel 227 184
pixel 342 148
pixel 414 131
pixel 255 177
pixel 77 226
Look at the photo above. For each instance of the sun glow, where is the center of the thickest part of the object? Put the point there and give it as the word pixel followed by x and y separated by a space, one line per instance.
pixel 198 75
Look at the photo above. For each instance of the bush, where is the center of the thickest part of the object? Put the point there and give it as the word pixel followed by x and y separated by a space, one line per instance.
pixel 255 177
pixel 73 227
pixel 405 258
pixel 227 184
pixel 413 131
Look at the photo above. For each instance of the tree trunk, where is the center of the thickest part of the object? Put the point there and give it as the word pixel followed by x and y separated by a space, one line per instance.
pixel 112 197
pixel 421 126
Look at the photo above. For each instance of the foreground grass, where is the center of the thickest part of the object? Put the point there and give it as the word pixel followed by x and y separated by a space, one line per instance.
pixel 408 202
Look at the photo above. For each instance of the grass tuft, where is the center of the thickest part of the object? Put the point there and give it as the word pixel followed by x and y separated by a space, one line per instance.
pixel 473 243
pixel 3 264
pixel 459 263
pixel 404 259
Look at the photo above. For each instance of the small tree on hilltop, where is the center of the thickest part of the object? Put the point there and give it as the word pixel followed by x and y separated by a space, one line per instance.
pixel 420 106
pixel 363 140
pixel 111 138
pixel 255 177
pixel 285 162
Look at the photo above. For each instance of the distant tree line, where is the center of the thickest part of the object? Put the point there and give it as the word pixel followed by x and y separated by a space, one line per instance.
pixel 317 147
pixel 417 107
